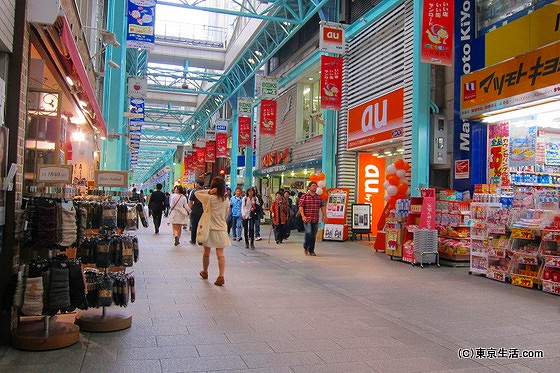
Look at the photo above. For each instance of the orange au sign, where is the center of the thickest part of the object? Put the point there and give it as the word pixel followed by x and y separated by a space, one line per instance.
pixel 526 78
pixel 377 120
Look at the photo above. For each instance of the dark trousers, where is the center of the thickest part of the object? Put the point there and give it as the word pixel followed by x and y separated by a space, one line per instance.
pixel 195 218
pixel 249 230
pixel 310 235
pixel 279 232
pixel 156 216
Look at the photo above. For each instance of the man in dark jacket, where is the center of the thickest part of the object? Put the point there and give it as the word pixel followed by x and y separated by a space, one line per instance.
pixel 157 204
pixel 196 207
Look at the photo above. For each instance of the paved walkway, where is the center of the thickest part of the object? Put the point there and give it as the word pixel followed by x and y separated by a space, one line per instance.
pixel 348 309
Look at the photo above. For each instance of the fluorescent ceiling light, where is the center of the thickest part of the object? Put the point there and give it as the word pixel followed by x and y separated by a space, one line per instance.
pixel 524 112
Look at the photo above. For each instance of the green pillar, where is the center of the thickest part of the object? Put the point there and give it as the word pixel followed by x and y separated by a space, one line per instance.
pixel 328 161
pixel 420 110
pixel 115 154
pixel 234 142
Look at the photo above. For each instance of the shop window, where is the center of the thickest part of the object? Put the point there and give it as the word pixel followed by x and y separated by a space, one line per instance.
pixel 309 123
pixel 493 11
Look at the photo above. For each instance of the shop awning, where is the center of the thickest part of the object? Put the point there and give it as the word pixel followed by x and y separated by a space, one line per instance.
pixel 283 167
pixel 70 44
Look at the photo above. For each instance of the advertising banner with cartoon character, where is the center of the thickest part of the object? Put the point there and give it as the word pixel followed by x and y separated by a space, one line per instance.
pixel 221 145
pixel 268 118
pixel 244 131
pixel 211 151
pixel 437 32
pixel 141 22
pixel 201 157
pixel 331 82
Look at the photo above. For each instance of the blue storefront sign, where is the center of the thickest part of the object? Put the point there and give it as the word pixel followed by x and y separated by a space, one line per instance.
pixel 141 24
pixel 469 137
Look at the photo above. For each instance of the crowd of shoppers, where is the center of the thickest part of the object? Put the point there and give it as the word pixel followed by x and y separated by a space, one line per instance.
pixel 236 215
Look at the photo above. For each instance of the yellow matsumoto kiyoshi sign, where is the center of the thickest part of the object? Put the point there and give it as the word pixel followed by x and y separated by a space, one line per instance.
pixel 523 79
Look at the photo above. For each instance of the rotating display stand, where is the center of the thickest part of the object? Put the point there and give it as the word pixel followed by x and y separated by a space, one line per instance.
pixel 48 335
pixel 112 321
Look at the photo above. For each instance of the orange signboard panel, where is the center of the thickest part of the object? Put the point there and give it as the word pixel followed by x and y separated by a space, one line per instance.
pixel 530 77
pixel 377 120
pixel 369 189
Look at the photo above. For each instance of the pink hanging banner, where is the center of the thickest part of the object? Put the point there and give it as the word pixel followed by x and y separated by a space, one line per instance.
pixel 221 145
pixel 268 118
pixel 244 131
pixel 437 32
pixel 210 151
pixel 331 82
pixel 200 157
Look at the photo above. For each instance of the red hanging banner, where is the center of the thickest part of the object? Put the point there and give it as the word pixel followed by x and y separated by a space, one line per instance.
pixel 331 82
pixel 221 145
pixel 244 131
pixel 268 118
pixel 187 163
pixel 193 161
pixel 210 151
pixel 437 32
pixel 200 157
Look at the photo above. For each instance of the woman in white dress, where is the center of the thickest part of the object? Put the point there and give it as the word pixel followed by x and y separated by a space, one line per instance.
pixel 215 198
pixel 179 211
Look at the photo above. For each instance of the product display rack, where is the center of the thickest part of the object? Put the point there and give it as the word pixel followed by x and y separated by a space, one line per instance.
pixel 452 221
pixel 107 318
pixel 421 217
pixel 45 332
pixel 524 267
pixel 550 252
pixel 480 236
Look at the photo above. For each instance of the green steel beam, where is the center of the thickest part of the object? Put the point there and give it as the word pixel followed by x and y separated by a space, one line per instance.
pixel 271 37
pixel 246 9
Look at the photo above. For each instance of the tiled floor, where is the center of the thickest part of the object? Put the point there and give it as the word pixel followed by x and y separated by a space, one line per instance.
pixel 347 310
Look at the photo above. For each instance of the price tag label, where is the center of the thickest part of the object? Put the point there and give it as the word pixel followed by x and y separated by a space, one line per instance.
pixel 54 174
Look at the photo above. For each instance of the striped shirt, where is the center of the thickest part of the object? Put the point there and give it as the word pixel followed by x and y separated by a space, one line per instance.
pixel 311 205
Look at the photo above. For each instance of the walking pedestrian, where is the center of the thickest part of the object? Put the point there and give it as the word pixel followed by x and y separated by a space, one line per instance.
pixel 235 204
pixel 309 205
pixel 258 219
pixel 196 209
pixel 157 204
pixel 279 215
pixel 179 212
pixel 217 237
pixel 250 210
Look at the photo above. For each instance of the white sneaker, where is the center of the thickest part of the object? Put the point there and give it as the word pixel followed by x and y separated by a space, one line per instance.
pixel 258 239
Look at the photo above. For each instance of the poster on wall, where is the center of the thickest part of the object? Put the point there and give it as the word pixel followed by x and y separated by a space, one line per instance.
pixel 331 82
pixel 523 146
pixel 369 186
pixel 437 32
pixel 268 118
pixel 498 162
pixel 141 22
